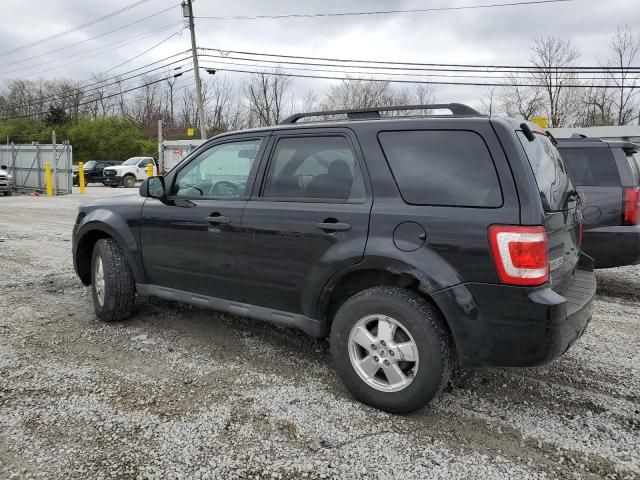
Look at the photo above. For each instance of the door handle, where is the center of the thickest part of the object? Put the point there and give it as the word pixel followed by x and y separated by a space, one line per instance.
pixel 334 226
pixel 218 219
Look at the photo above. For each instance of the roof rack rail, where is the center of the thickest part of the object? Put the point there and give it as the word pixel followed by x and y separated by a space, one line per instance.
pixel 580 137
pixel 374 112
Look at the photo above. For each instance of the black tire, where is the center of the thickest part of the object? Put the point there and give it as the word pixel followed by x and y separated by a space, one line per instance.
pixel 425 324
pixel 8 193
pixel 129 181
pixel 119 286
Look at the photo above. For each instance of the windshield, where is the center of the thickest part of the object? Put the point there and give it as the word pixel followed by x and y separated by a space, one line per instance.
pixel 551 175
pixel 132 161
pixel 90 164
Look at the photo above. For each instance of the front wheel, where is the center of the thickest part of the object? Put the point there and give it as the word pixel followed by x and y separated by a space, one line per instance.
pixel 112 283
pixel 391 349
pixel 129 181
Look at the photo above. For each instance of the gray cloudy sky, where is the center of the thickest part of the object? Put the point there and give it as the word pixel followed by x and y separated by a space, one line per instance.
pixel 485 36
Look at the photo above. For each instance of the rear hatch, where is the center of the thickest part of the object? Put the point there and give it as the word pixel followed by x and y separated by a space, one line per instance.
pixel 561 208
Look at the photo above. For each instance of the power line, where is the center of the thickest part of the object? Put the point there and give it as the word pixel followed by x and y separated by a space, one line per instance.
pixel 91 56
pixel 119 43
pixel 85 41
pixel 224 52
pixel 473 73
pixel 71 30
pixel 143 52
pixel 472 84
pixel 380 12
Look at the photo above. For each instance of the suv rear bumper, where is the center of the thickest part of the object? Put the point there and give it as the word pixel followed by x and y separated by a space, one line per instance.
pixel 505 326
pixel 613 246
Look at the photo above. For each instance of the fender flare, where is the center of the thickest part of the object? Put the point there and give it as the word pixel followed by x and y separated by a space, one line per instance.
pixel 106 221
pixel 427 283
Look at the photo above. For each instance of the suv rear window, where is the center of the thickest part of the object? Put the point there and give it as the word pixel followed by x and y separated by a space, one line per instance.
pixel 552 178
pixel 593 167
pixel 442 167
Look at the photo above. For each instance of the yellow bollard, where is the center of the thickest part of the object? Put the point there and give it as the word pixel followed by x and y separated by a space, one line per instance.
pixel 81 176
pixel 150 170
pixel 47 179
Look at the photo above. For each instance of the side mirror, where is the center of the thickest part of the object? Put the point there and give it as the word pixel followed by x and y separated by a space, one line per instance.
pixel 153 187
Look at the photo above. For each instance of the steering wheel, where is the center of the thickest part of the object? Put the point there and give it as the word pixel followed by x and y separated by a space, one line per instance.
pixel 224 188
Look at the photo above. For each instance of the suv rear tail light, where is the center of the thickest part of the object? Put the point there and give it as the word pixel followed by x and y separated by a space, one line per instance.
pixel 631 206
pixel 521 254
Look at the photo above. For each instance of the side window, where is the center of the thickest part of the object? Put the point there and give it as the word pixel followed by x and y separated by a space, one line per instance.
pixel 442 167
pixel 315 168
pixel 144 163
pixel 220 172
pixel 634 161
pixel 591 166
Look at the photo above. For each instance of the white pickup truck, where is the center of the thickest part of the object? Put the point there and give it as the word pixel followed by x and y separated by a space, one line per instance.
pixel 129 172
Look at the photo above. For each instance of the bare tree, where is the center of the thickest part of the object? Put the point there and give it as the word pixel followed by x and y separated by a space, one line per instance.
pixel 364 93
pixel 489 101
pixel 424 94
pixel 358 93
pixel 518 101
pixel 266 95
pixel 597 104
pixel 552 59
pixel 310 101
pixel 624 53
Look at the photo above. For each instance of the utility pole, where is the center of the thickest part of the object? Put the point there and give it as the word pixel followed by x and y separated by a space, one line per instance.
pixel 188 5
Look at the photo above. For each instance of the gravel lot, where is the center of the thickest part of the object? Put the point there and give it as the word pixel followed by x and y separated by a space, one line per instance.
pixel 178 392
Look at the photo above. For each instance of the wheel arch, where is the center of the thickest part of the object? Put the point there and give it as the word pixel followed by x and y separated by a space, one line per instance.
pixel 101 226
pixel 374 272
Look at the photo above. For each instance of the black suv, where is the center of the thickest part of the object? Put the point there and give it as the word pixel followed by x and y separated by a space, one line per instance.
pixel 93 171
pixel 608 177
pixel 414 243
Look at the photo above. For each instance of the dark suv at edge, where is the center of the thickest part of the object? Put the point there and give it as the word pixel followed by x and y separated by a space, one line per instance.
pixel 608 176
pixel 414 243
pixel 94 171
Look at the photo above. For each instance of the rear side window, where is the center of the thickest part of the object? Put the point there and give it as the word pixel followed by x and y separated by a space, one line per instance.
pixel 442 167
pixel 315 168
pixel 593 167
pixel 634 161
pixel 554 183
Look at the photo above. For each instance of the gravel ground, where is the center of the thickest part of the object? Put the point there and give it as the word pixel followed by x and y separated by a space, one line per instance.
pixel 179 392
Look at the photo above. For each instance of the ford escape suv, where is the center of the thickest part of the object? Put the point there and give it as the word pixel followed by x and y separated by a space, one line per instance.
pixel 414 243
pixel 608 177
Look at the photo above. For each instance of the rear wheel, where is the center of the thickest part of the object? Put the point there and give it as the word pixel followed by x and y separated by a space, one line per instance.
pixel 129 181
pixel 112 283
pixel 391 349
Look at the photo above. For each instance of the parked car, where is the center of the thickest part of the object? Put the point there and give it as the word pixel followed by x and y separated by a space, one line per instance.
pixel 93 171
pixel 129 172
pixel 415 244
pixel 6 181
pixel 608 176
